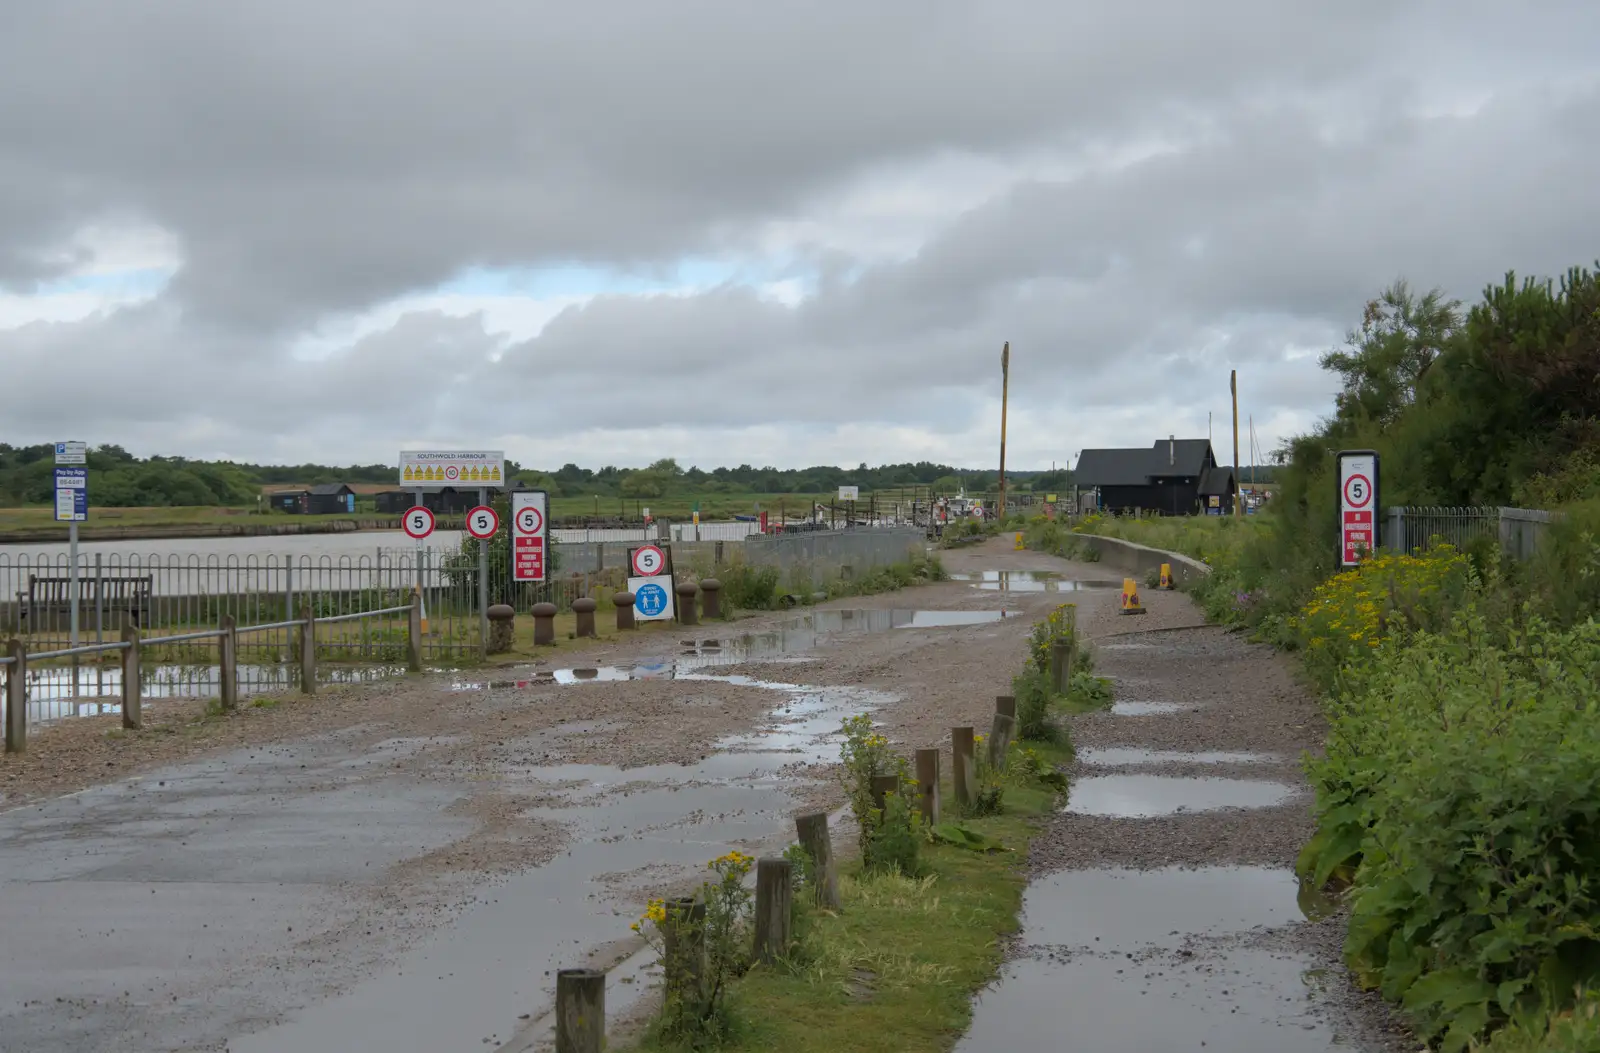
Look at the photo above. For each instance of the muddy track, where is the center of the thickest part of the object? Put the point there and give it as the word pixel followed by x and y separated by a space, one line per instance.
pixel 403 865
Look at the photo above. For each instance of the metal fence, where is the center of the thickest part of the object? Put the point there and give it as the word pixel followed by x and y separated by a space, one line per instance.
pixel 1519 531
pixel 166 595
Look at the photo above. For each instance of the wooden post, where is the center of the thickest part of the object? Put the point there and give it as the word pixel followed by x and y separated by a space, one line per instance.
pixel 684 954
pixel 1006 704
pixel 882 786
pixel 1060 666
pixel 580 1011
pixel 414 635
pixel 1000 736
pixel 963 766
pixel 1005 388
pixel 1233 388
pixel 228 662
pixel 928 785
pixel 132 688
pixel 774 909
pixel 308 652
pixel 812 830
pixel 17 698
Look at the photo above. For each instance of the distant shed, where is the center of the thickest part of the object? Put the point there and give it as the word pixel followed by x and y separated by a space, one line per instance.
pixel 330 499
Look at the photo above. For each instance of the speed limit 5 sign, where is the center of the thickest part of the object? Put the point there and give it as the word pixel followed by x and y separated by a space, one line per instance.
pixel 483 522
pixel 417 522
pixel 530 535
pixel 1358 505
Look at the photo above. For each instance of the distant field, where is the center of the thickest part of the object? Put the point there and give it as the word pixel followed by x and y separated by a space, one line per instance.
pixel 678 508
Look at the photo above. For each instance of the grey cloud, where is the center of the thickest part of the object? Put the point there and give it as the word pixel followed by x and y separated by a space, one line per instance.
pixel 316 159
pixel 314 156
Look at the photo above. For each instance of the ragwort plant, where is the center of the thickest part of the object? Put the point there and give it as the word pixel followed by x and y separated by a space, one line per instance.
pixel 694 1004
pixel 889 836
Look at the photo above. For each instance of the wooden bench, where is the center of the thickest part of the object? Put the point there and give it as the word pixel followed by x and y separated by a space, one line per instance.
pixel 122 600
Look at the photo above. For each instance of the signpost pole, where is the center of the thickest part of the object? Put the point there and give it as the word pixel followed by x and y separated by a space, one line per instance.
pixel 1005 390
pixel 72 595
pixel 1233 388
pixel 483 586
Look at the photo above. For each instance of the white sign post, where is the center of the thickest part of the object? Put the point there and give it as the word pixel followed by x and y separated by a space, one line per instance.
pixel 530 535
pixel 1358 506
pixel 72 508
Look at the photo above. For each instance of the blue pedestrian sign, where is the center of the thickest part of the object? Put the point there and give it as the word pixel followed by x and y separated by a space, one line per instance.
pixel 651 600
pixel 72 494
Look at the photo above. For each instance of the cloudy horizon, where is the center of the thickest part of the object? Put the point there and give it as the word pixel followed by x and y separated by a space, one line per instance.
pixel 774 235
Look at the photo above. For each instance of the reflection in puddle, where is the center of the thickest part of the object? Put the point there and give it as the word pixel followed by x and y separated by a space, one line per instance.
pixel 1127 977
pixel 1144 796
pixel 1115 756
pixel 1031 581
pixel 1144 709
pixel 60 693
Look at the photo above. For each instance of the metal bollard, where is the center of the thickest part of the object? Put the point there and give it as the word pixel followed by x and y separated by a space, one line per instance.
pixel 502 628
pixel 544 623
pixel 687 615
pixel 584 608
pixel 711 607
pixel 623 602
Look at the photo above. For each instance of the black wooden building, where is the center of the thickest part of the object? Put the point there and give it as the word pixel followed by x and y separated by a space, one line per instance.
pixel 1173 477
pixel 330 499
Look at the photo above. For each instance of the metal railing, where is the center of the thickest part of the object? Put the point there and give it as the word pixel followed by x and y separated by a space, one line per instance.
pixel 133 649
pixel 1519 531
pixel 170 596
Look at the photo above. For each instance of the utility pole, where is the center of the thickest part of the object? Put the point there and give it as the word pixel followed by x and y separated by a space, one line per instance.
pixel 1005 386
pixel 1233 387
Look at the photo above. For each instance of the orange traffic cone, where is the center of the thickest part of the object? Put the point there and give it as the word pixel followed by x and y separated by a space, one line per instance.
pixel 1130 598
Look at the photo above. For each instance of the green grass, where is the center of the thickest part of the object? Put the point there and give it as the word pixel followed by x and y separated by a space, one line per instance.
pixel 896 968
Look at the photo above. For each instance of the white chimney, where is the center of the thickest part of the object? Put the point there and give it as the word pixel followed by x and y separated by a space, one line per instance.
pixel 1172 450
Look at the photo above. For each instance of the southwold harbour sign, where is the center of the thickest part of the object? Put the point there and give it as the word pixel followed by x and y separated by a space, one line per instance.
pixel 421 469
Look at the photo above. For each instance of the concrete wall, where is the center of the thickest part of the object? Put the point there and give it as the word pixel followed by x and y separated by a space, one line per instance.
pixel 824 554
pixel 1135 561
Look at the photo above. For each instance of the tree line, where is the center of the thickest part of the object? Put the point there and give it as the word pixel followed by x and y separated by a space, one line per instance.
pixel 119 479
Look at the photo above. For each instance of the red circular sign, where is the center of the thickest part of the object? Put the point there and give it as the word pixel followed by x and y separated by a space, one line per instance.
pixel 417 522
pixel 648 560
pixel 529 520
pixel 1358 491
pixel 452 473
pixel 483 523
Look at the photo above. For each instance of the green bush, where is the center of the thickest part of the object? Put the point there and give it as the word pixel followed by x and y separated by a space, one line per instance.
pixel 1035 704
pixel 748 588
pixel 1460 795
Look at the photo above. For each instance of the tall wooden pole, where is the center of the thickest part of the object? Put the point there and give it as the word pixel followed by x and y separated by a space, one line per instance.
pixel 1005 387
pixel 1233 386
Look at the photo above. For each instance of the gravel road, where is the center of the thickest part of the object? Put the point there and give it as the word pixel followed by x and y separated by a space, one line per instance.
pixel 404 828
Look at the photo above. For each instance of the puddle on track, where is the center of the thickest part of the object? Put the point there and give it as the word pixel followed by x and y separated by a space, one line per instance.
pixel 1031 581
pixel 1116 756
pixel 1147 796
pixel 1144 709
pixel 1078 987
pixel 792 638
pixel 470 980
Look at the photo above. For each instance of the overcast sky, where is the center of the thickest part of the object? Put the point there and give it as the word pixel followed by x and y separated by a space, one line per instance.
pixel 730 232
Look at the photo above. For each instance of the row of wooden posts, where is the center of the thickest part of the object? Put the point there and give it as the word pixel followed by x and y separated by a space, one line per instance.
pixel 580 993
